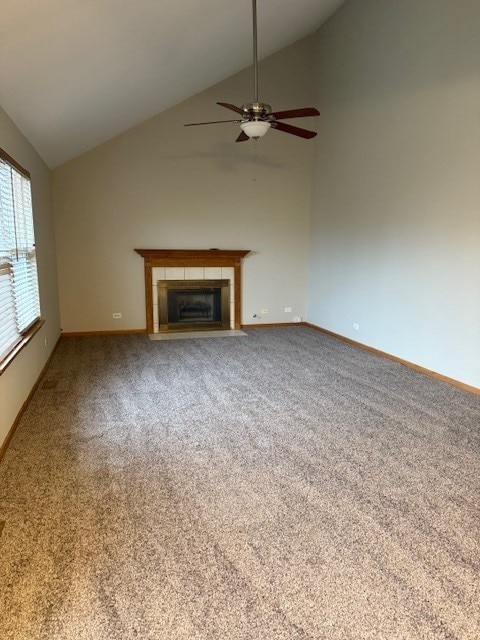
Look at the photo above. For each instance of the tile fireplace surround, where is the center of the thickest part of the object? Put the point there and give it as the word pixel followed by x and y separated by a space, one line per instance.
pixel 192 264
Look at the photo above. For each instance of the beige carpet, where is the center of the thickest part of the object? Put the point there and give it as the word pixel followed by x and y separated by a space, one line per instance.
pixel 285 486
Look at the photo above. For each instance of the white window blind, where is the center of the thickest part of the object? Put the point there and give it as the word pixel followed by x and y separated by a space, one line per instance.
pixel 19 297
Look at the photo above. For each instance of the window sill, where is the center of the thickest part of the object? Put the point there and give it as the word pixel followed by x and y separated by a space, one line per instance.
pixel 27 336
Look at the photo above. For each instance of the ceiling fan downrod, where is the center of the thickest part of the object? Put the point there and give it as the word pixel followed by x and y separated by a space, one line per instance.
pixel 255 54
pixel 255 110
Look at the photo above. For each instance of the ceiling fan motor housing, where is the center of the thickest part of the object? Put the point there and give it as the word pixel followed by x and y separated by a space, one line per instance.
pixel 257 110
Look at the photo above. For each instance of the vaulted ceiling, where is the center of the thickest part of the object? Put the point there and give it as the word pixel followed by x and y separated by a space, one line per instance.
pixel 76 73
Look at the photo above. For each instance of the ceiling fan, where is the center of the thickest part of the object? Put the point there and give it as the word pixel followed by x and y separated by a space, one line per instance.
pixel 257 117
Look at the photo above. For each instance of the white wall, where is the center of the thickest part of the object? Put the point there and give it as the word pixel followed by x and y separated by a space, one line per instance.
pixel 395 235
pixel 161 185
pixel 18 379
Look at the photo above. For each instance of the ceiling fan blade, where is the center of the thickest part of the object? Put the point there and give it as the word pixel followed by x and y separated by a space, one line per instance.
pixel 296 131
pixel 296 113
pixel 232 107
pixel 196 124
pixel 242 137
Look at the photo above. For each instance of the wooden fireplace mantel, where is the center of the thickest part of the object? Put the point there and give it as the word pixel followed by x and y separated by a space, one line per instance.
pixel 192 258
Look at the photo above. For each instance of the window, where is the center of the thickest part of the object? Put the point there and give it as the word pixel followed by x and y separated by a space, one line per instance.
pixel 19 297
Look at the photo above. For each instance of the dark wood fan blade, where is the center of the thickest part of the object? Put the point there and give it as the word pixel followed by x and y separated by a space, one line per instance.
pixel 296 113
pixel 232 107
pixel 242 137
pixel 196 124
pixel 295 131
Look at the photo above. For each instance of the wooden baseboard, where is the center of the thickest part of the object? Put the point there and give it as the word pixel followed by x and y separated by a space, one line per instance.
pixel 116 332
pixel 272 324
pixel 411 365
pixel 6 442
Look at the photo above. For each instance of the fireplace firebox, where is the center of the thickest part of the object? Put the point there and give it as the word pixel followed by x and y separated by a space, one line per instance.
pixel 193 305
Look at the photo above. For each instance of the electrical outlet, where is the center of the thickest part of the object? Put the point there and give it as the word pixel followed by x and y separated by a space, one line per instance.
pixel 46 341
pixel 297 319
pixel 288 309
pixel 355 326
pixel 264 312
pixel 117 316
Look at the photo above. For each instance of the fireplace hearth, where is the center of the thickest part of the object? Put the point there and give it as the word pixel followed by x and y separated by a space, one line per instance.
pixel 193 305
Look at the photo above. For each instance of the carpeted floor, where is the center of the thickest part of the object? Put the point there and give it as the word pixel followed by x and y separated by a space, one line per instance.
pixel 280 486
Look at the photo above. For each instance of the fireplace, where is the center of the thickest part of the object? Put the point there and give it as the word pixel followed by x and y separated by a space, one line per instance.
pixel 199 265
pixel 193 305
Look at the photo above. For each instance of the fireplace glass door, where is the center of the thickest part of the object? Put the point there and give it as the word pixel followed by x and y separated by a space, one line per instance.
pixel 186 305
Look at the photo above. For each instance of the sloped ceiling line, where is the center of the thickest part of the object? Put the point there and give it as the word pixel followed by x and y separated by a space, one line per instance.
pixel 75 74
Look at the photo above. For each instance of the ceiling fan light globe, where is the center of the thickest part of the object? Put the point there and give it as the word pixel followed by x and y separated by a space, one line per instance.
pixel 255 128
